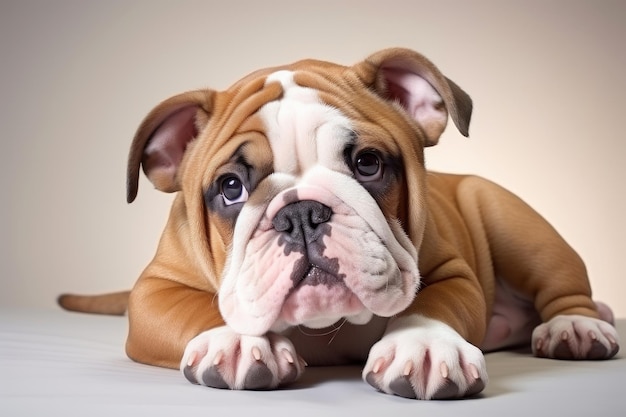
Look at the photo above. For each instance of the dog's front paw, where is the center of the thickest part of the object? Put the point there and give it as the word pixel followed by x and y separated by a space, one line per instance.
pixel 575 337
pixel 221 358
pixel 425 359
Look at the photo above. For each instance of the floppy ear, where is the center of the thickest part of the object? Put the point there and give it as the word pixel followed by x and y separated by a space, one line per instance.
pixel 162 138
pixel 420 88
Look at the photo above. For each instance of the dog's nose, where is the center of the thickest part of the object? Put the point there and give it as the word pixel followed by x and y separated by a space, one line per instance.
pixel 300 221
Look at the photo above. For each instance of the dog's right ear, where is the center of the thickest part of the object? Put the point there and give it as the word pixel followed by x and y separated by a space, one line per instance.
pixel 162 138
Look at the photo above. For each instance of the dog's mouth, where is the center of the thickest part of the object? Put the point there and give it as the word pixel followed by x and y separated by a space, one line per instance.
pixel 319 297
pixel 317 275
pixel 313 269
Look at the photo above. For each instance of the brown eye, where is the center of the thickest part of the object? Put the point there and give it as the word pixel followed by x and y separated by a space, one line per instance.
pixel 368 166
pixel 233 191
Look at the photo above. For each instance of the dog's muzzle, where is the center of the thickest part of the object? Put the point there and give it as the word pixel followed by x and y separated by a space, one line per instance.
pixel 308 257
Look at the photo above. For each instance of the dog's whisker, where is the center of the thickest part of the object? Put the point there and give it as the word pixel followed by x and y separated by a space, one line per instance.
pixel 336 331
pixel 301 330
pixel 333 331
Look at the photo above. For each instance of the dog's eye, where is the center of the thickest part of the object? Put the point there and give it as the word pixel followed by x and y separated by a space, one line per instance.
pixel 368 166
pixel 233 191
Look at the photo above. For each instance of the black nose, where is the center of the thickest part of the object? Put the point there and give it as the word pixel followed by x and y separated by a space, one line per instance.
pixel 300 221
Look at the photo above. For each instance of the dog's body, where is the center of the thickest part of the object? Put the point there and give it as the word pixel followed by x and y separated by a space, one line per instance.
pixel 306 228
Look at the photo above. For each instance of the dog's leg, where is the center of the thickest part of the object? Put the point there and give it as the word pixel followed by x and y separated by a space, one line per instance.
pixel 222 358
pixel 163 316
pixel 430 352
pixel 176 326
pixel 534 260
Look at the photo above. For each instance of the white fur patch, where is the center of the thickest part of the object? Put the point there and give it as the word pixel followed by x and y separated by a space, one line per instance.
pixel 303 132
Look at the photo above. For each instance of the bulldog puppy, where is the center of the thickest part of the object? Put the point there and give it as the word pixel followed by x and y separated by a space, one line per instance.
pixel 306 230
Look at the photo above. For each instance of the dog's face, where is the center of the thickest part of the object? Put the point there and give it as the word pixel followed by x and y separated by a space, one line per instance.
pixel 316 237
pixel 296 185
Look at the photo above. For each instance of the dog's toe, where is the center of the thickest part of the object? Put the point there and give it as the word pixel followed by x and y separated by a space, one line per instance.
pixel 402 387
pixel 477 387
pixel 211 377
pixel 291 375
pixel 563 351
pixel 259 377
pixel 448 390
pixel 370 378
pixel 597 351
pixel 188 372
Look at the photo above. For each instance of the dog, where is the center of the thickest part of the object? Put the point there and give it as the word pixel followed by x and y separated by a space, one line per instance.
pixel 307 230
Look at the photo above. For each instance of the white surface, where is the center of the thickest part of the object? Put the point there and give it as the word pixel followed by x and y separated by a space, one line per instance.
pixel 547 80
pixel 65 364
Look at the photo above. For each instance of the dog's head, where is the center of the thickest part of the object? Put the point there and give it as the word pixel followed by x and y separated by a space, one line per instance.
pixel 303 186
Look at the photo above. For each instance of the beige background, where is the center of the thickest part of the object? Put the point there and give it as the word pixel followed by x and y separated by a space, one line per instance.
pixel 547 79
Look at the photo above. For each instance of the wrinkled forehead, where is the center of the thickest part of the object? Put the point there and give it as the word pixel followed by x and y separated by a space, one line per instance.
pixel 308 114
pixel 302 130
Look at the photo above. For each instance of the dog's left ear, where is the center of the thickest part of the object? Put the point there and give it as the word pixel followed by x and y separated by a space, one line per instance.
pixel 413 81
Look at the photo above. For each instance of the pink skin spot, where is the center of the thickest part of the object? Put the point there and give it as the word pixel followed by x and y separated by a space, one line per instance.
pixel 315 302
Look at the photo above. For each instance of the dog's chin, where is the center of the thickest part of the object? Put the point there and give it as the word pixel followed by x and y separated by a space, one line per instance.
pixel 323 322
